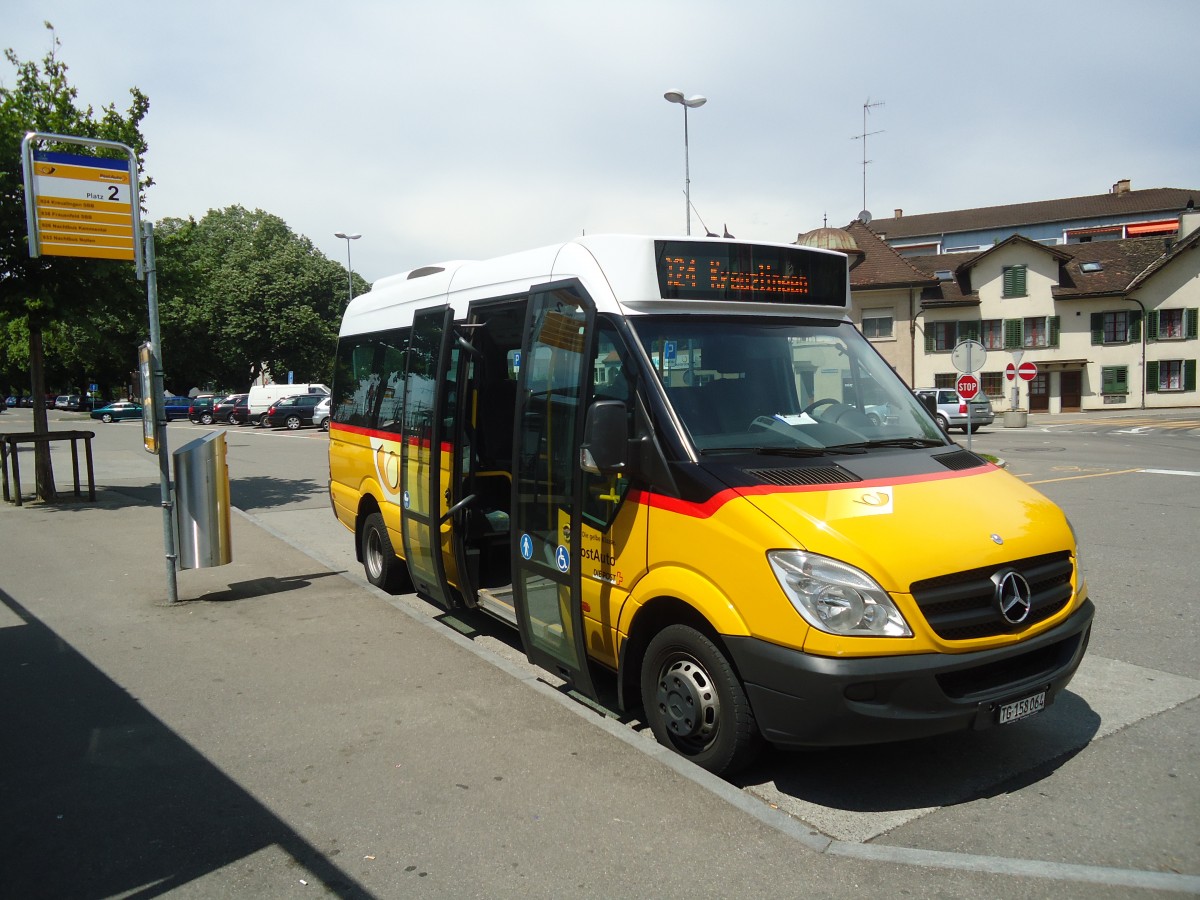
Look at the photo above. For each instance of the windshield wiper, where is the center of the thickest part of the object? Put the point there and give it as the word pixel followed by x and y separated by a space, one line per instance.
pixel 895 442
pixel 768 451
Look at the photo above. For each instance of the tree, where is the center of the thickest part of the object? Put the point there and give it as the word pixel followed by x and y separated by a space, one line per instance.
pixel 241 295
pixel 43 292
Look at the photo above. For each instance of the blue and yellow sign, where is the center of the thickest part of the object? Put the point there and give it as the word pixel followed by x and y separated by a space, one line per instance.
pixel 84 206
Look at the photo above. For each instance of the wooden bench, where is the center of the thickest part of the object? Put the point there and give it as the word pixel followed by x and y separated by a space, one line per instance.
pixel 8 449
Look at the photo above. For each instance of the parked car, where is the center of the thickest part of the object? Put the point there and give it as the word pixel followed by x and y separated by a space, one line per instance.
pixel 262 396
pixel 201 410
pixel 120 409
pixel 232 409
pixel 321 413
pixel 176 407
pixel 12 401
pixel 66 401
pixel 950 409
pixel 293 411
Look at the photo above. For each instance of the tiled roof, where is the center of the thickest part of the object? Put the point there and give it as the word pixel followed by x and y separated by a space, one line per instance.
pixel 954 291
pixel 1189 243
pixel 1151 202
pixel 881 266
pixel 1120 263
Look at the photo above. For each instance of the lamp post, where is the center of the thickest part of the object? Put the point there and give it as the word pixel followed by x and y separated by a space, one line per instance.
pixel 348 237
pixel 688 103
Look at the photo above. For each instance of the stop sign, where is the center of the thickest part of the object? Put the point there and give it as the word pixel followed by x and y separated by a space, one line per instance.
pixel 967 386
pixel 1027 371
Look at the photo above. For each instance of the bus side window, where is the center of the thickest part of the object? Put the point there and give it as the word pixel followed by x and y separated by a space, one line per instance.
pixel 611 380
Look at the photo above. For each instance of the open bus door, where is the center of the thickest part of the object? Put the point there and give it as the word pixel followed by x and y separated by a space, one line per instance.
pixel 548 488
pixel 421 459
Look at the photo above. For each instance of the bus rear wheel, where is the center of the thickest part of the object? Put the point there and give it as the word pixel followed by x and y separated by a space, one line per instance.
pixel 694 702
pixel 383 568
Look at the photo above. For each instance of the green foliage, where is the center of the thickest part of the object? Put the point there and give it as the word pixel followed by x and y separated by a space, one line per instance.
pixel 241 294
pixel 76 295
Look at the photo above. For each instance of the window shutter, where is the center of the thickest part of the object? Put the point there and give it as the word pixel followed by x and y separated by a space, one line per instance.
pixel 968 331
pixel 1135 326
pixel 1189 374
pixel 1190 316
pixel 1097 328
pixel 1152 376
pixel 1114 380
pixel 1052 327
pixel 1013 334
pixel 1152 325
pixel 929 345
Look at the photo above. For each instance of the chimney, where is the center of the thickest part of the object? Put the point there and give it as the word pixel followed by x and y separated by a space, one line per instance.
pixel 1121 187
pixel 899 214
pixel 1189 220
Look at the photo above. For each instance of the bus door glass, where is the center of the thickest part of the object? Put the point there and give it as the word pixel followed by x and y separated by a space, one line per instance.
pixel 548 487
pixel 421 451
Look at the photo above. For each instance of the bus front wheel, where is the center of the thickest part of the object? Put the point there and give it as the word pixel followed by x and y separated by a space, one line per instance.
pixel 694 702
pixel 383 568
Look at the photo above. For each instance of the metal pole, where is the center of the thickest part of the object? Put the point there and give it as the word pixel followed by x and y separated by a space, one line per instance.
pixel 164 464
pixel 349 273
pixel 687 173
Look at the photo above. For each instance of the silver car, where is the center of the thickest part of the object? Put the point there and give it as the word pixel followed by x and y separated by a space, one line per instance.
pixel 321 415
pixel 951 409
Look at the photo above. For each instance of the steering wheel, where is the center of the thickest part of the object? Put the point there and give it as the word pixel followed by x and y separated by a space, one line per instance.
pixel 825 401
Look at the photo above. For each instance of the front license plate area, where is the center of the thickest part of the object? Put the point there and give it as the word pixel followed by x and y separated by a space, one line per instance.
pixel 1021 709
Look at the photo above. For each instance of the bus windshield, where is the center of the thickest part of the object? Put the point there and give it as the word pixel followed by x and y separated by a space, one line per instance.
pixel 781 385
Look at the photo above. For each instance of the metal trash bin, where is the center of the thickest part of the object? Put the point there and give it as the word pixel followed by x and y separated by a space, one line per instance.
pixel 202 518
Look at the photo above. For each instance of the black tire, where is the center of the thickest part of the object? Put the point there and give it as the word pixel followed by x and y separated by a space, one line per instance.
pixel 695 704
pixel 262 421
pixel 206 418
pixel 942 423
pixel 293 422
pixel 106 418
pixel 233 419
pixel 383 568
pixel 325 424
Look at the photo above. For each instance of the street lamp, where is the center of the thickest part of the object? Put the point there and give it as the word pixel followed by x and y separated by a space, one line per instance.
pixel 688 103
pixel 349 271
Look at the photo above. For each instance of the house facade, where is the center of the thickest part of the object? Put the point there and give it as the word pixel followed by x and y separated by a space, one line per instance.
pixel 1108 323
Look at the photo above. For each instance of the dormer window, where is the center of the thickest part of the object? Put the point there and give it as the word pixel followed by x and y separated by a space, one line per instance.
pixel 1014 281
pixel 1091 267
pixel 943 275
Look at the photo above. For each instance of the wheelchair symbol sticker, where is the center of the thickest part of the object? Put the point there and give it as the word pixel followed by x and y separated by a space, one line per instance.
pixel 562 558
pixel 526 547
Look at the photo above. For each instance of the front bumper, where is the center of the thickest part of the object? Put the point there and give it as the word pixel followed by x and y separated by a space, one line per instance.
pixel 802 701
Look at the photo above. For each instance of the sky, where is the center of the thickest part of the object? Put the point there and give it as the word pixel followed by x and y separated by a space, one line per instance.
pixel 465 129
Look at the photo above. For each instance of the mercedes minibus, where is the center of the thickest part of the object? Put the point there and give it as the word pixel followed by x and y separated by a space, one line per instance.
pixel 676 467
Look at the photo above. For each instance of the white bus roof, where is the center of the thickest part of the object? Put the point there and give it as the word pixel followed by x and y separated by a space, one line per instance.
pixel 619 271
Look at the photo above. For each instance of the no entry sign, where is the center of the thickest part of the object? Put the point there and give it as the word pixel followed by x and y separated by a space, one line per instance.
pixel 1027 371
pixel 967 386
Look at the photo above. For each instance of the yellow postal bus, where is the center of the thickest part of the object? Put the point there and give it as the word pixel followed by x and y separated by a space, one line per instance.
pixel 676 465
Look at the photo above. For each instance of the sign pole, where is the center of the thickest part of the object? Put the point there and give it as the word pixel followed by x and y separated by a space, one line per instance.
pixel 160 424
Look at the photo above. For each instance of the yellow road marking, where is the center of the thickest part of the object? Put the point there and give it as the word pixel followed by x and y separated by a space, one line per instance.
pixel 1093 475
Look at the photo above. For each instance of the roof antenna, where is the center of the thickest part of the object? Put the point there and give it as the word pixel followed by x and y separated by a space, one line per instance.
pixel 863 137
pixel 707 233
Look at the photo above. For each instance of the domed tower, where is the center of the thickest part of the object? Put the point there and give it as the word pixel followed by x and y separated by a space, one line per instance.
pixel 833 239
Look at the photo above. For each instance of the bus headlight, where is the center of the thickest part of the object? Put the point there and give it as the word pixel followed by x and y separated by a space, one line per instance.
pixel 836 598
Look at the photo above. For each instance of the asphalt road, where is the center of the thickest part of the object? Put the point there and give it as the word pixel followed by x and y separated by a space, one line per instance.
pixel 1109 776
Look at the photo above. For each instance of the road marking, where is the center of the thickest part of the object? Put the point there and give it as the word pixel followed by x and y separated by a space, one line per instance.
pixel 1093 475
pixel 1169 472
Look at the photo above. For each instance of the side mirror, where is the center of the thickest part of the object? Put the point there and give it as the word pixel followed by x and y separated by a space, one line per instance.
pixel 605 446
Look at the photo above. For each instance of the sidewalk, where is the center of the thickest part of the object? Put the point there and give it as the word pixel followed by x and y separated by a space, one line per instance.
pixel 282 730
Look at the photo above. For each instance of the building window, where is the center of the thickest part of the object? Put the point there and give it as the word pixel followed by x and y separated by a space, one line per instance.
pixel 1114 380
pixel 877 325
pixel 1014 281
pixel 1172 324
pixel 944 381
pixel 1032 332
pixel 1035 333
pixel 991 334
pixel 1171 375
pixel 1116 327
pixel 945 335
pixel 993 383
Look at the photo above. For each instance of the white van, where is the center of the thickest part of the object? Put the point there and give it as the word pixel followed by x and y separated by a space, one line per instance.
pixel 263 395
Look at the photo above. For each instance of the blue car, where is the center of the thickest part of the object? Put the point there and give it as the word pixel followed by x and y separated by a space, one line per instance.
pixel 176 407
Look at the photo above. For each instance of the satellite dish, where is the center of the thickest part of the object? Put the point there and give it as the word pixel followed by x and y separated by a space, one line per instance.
pixel 865 217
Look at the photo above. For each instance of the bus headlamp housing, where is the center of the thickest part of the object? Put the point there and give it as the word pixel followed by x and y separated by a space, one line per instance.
pixel 836 598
